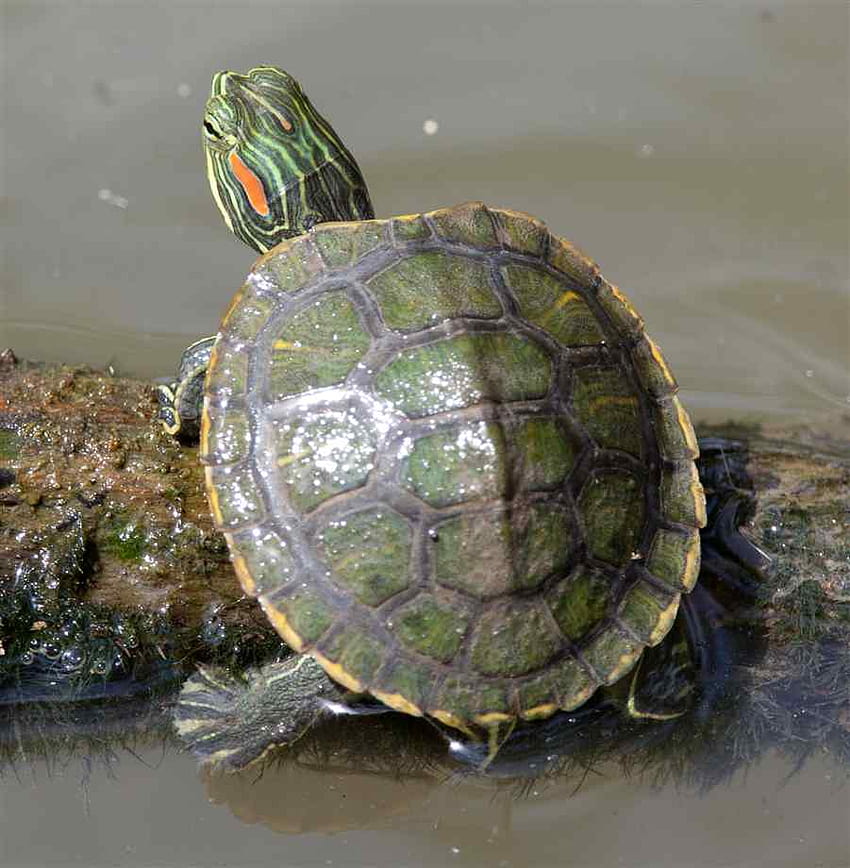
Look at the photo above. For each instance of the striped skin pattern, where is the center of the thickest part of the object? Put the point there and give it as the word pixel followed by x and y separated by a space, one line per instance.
pixel 451 465
pixel 275 165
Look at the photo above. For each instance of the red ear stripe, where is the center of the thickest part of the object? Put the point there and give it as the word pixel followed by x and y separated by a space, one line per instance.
pixel 251 184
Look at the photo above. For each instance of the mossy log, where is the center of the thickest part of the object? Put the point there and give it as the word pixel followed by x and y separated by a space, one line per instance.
pixel 108 555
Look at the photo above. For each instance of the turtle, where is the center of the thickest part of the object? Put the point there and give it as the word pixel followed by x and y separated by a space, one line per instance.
pixel 447 459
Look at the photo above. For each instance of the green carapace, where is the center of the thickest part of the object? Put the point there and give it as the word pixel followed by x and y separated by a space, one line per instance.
pixel 447 459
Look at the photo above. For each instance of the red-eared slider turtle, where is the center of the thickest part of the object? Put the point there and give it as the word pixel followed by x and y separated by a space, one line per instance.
pixel 447 459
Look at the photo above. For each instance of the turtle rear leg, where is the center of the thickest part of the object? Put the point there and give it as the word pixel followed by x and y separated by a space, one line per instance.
pixel 232 722
pixel 181 401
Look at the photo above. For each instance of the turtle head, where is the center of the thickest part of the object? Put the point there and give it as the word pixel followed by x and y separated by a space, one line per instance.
pixel 275 165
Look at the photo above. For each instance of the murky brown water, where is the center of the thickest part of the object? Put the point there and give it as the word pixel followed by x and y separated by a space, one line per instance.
pixel 699 152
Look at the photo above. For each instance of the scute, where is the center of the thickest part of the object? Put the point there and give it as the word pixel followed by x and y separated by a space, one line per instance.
pixel 316 347
pixel 458 288
pixel 369 552
pixel 465 370
pixel 450 463
pixel 497 552
pixel 546 302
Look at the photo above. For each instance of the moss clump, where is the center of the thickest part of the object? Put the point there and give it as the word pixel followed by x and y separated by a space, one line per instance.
pixel 124 540
pixel 10 445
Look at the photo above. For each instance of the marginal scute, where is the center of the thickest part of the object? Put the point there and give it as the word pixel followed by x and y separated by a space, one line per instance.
pixel 514 639
pixel 409 227
pixel 676 437
pixel 316 347
pixel 244 320
pixel 682 498
pixel 554 305
pixel 567 258
pixel 626 319
pixel 521 233
pixel 368 553
pixel 648 612
pixel 565 685
pixel 608 407
pixel 234 495
pixel 612 513
pixel 465 370
pixel 469 223
pixel 500 552
pixel 227 375
pixel 341 244
pixel 322 452
pixel 652 369
pixel 265 558
pixel 403 685
pixel 306 613
pixel 538 696
pixel 457 287
pixel 430 626
pixel 463 697
pixel 290 265
pixel 355 651
pixel 225 437
pixel 674 557
pixel 612 653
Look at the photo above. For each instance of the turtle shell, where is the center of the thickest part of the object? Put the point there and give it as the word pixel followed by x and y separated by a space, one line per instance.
pixel 450 464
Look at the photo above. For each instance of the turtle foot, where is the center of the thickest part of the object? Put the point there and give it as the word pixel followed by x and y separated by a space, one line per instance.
pixel 231 722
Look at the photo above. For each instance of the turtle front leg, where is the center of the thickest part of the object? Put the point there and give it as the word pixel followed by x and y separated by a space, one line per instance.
pixel 181 401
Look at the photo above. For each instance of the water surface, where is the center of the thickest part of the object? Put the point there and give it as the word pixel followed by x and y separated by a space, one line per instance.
pixel 698 152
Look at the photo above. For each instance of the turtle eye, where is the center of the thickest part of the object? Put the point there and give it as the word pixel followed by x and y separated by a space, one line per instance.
pixel 212 131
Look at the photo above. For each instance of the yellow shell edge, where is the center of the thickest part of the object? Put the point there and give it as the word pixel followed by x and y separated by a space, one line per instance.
pixel 451 720
pixel 692 561
pixel 279 622
pixel 338 673
pixel 398 702
pixel 539 712
pixel 665 621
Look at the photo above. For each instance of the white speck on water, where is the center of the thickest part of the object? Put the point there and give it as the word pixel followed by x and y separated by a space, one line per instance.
pixel 455 850
pixel 106 195
pixel 184 90
pixel 430 127
pixel 810 373
pixel 646 151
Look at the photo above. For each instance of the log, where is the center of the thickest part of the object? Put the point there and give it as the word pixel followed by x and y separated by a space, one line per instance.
pixel 108 556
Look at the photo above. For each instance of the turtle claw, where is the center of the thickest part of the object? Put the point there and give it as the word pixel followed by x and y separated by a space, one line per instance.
pixel 181 402
pixel 167 413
